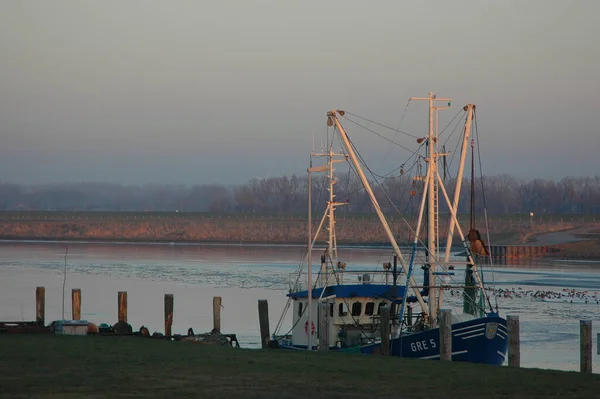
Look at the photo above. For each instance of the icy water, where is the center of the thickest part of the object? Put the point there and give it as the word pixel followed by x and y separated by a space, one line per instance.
pixel 242 275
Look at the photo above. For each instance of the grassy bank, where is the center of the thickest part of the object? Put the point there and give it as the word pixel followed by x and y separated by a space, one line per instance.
pixel 245 228
pixel 47 366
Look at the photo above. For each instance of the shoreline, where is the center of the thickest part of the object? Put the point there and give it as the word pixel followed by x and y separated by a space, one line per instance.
pixel 568 251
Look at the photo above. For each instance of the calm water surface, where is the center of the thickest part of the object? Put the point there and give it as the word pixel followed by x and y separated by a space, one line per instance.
pixel 243 274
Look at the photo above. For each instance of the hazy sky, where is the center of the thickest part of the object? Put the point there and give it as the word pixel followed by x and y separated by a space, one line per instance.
pixel 223 91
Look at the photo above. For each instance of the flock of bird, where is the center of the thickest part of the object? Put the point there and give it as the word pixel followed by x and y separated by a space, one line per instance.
pixel 567 295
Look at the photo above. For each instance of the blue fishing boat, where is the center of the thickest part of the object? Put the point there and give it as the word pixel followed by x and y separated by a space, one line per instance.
pixel 342 308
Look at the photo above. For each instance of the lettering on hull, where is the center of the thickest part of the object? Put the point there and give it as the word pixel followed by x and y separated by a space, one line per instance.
pixel 423 345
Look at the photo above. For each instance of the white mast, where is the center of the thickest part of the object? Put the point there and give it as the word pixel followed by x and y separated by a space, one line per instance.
pixel 461 167
pixel 332 119
pixel 330 211
pixel 432 197
pixel 459 178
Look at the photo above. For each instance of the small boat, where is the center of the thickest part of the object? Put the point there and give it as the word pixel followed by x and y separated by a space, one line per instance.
pixel 345 309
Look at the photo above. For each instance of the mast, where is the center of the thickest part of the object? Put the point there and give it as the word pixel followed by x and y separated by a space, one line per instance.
pixel 330 211
pixel 459 178
pixel 333 119
pixel 461 168
pixel 432 198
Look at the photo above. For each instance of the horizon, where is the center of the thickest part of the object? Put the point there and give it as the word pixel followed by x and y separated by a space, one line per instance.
pixel 189 94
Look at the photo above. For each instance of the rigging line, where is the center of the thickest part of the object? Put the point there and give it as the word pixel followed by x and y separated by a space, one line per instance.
pixel 485 205
pixel 385 126
pixel 431 261
pixel 383 191
pixel 387 152
pixel 455 148
pixel 413 152
pixel 383 177
pixel 444 129
pixel 380 135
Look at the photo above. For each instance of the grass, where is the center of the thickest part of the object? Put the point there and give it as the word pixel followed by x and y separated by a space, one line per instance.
pixel 73 367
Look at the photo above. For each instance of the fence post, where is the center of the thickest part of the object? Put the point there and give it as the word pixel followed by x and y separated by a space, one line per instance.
pixel 585 327
pixel 169 306
pixel 323 326
pixel 40 306
pixel 122 304
pixel 263 319
pixel 385 330
pixel 76 303
pixel 446 334
pixel 514 343
pixel 217 313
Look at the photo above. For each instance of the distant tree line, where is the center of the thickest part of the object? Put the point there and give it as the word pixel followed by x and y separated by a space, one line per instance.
pixel 503 194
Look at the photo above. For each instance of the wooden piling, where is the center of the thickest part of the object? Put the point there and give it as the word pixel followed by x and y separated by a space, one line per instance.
pixel 122 306
pixel 323 326
pixel 76 303
pixel 514 342
pixel 585 327
pixel 263 320
pixel 446 334
pixel 169 305
pixel 409 315
pixel 40 306
pixel 385 330
pixel 217 313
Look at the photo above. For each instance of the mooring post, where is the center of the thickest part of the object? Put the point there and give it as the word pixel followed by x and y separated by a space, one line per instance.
pixel 385 330
pixel 446 334
pixel 40 306
pixel 76 303
pixel 263 320
pixel 585 327
pixel 409 316
pixel 122 304
pixel 514 342
pixel 168 314
pixel 323 326
pixel 217 313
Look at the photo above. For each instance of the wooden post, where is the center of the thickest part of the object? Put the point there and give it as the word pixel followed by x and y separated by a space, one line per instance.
pixel 323 326
pixel 217 313
pixel 40 306
pixel 385 330
pixel 514 343
pixel 168 314
pixel 76 303
pixel 446 334
pixel 585 327
pixel 122 303
pixel 263 320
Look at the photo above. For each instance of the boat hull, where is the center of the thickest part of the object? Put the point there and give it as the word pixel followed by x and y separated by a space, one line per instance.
pixel 482 340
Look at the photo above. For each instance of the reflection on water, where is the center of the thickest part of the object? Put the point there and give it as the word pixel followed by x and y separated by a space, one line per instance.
pixel 244 274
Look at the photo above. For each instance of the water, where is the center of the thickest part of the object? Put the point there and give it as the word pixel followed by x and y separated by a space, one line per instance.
pixel 243 274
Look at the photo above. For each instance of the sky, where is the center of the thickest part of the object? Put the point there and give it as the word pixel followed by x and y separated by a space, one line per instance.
pixel 195 92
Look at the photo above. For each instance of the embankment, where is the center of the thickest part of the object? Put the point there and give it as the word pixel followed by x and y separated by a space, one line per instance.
pixel 281 229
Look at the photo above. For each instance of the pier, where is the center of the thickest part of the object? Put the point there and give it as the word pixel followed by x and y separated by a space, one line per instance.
pixel 521 251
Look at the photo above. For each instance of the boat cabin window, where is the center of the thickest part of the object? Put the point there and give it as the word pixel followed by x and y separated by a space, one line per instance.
pixel 342 310
pixel 331 310
pixel 356 309
pixel 299 309
pixel 369 308
pixel 381 304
